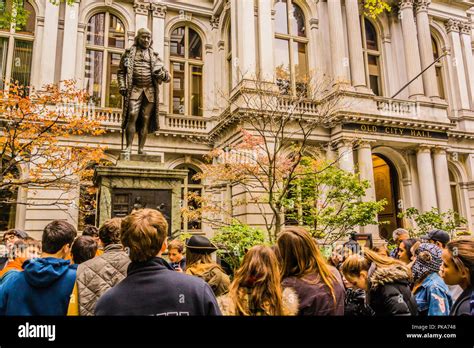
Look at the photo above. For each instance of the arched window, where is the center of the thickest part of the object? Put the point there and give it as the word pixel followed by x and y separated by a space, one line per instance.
pixel 190 190
pixel 372 56
pixel 105 44
pixel 186 71
pixel 290 51
pixel 439 68
pixel 16 41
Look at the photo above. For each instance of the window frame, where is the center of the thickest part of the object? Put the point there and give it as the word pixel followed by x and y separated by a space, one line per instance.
pixel 291 38
pixel 439 66
pixel 185 188
pixel 188 64
pixel 106 50
pixel 12 36
pixel 378 54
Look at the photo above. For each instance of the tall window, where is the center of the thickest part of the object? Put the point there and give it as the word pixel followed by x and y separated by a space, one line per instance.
pixel 186 71
pixel 439 69
pixel 190 191
pixel 16 41
pixel 290 49
pixel 228 56
pixel 454 185
pixel 104 46
pixel 372 56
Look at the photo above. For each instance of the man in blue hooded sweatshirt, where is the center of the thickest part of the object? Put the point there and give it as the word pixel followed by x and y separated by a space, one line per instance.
pixel 45 285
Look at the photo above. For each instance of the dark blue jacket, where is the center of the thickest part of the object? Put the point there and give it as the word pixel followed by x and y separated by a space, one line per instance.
pixel 43 288
pixel 432 296
pixel 154 288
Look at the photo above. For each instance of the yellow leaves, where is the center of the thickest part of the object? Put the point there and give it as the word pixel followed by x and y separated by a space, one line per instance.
pixel 373 8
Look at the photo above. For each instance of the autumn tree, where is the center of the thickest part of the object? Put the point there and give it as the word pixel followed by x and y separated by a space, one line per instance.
pixel 40 133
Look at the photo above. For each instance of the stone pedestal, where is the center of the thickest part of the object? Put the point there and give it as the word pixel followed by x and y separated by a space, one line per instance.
pixel 141 181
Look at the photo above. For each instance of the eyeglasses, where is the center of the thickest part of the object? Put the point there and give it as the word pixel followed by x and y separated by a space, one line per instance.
pixel 9 237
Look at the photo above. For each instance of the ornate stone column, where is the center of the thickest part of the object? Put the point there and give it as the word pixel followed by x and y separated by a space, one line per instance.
pixel 141 15
pixel 355 44
pixel 443 190
pixel 265 40
pixel 366 172
pixel 460 85
pixel 68 63
pixel 426 178
pixel 346 156
pixel 426 50
pixel 158 28
pixel 410 43
pixel 468 58
pixel 49 45
pixel 337 41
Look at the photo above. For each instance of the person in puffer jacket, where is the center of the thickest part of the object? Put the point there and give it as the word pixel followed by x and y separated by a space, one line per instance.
pixel 385 280
pixel 45 285
pixel 99 274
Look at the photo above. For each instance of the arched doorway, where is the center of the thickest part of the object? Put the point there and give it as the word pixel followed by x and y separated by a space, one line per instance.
pixel 386 186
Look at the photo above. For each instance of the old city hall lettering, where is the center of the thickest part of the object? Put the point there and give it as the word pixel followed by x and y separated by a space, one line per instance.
pixel 395 131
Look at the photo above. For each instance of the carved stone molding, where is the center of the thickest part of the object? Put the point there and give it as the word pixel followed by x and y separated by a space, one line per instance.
pixel 183 15
pixel 404 4
pixel 208 48
pixel 158 10
pixel 466 28
pixel 314 23
pixel 214 21
pixel 140 8
pixel 422 5
pixel 452 25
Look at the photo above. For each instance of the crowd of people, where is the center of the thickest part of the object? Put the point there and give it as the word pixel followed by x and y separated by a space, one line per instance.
pixel 128 267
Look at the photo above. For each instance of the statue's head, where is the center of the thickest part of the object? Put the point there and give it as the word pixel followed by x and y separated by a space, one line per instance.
pixel 143 38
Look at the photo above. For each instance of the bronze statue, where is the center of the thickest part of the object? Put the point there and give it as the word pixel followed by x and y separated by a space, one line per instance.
pixel 140 73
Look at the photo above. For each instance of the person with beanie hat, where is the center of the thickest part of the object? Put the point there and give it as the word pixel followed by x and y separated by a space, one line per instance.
pixel 431 293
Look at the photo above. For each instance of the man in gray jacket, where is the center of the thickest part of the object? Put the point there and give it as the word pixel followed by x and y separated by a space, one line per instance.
pixel 97 275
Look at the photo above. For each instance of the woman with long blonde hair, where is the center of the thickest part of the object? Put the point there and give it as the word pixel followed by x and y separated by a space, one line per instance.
pixel 318 285
pixel 256 288
pixel 385 280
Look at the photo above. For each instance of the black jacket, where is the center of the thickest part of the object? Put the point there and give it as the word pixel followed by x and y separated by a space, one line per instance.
pixel 153 288
pixel 462 306
pixel 389 292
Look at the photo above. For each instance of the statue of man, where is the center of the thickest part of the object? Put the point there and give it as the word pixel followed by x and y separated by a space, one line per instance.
pixel 140 73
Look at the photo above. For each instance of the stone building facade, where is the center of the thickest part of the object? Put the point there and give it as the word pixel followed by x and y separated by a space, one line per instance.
pixel 418 145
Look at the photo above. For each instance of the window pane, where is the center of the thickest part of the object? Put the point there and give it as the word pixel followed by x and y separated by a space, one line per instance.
pixel 370 36
pixel 113 97
pixel 3 59
pixel 374 84
pixel 196 91
pixel 297 21
pixel 435 48
pixel 93 74
pixel 178 88
pixel 195 45
pixel 194 204
pixel 96 29
pixel 116 33
pixel 300 61
pixel 29 26
pixel 177 42
pixel 439 78
pixel 281 22
pixel 282 65
pixel 21 69
pixel 229 40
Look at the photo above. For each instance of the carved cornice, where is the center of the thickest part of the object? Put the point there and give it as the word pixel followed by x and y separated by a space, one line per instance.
pixel 158 10
pixel 452 25
pixel 314 23
pixel 140 8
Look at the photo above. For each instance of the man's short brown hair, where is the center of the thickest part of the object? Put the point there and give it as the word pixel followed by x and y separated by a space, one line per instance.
pixel 109 232
pixel 143 232
pixel 176 244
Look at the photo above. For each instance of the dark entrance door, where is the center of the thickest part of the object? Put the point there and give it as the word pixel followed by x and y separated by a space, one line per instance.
pixel 386 186
pixel 125 200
